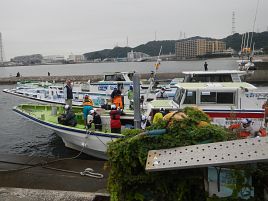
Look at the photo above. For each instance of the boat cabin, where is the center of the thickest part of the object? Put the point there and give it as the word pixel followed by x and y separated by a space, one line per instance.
pixel 213 76
pixel 224 102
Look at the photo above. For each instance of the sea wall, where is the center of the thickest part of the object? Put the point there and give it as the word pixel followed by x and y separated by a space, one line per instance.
pixel 259 76
pixel 77 78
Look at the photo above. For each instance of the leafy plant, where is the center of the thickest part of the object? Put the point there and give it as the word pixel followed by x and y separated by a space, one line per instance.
pixel 128 179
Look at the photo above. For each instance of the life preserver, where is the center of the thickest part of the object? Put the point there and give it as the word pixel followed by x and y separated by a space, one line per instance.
pixel 241 134
pixel 244 134
pixel 234 126
pixel 262 132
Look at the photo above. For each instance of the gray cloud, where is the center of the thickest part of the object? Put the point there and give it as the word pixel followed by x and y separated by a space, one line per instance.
pixel 78 26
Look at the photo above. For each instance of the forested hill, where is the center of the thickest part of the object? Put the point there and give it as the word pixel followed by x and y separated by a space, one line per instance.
pixel 260 40
pixel 168 46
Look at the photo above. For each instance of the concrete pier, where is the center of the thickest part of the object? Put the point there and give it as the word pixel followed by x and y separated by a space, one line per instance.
pixel 40 180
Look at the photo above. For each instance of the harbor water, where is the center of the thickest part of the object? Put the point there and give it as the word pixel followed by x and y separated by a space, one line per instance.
pixel 21 136
pixel 100 68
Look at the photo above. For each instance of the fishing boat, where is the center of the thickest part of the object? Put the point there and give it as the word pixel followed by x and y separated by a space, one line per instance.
pixel 54 94
pixel 225 102
pixel 90 141
pixel 99 91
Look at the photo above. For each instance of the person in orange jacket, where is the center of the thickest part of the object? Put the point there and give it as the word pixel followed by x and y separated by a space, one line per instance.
pixel 117 100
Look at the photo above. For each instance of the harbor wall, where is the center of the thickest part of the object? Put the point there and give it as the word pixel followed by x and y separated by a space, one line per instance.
pixel 259 76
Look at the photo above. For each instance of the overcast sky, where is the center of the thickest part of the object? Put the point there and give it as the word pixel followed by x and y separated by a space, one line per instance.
pixel 62 27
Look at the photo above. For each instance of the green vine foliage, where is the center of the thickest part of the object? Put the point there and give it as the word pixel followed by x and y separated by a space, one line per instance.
pixel 128 180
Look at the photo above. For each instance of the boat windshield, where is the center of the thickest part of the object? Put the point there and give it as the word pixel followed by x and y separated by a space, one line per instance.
pixel 209 78
pixel 115 77
pixel 178 96
pixel 130 75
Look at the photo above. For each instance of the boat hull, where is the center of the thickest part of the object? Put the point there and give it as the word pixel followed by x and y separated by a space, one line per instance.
pixel 93 143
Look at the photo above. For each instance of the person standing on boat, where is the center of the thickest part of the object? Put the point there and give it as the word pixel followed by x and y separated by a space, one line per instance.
pixel 206 66
pixel 130 95
pixel 161 94
pixel 87 107
pixel 118 100
pixel 114 92
pixel 68 93
pixel 115 122
pixel 144 122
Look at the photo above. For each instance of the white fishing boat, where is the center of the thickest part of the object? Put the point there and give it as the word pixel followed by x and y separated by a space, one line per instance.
pixel 90 141
pixel 99 92
pixel 225 102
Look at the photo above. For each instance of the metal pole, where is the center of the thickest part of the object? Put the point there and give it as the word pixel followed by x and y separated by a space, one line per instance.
pixel 136 90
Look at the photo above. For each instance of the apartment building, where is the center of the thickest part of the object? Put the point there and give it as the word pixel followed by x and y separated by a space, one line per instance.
pixel 197 47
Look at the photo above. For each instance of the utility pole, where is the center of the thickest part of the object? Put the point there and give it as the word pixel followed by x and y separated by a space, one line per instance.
pixel 180 35
pixel 1 49
pixel 137 104
pixel 233 23
pixel 155 36
pixel 127 41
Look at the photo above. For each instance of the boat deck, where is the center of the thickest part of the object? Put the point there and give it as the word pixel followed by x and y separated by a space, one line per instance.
pixel 50 113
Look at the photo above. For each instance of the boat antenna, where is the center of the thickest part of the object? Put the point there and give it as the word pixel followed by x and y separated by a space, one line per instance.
pixel 247 41
pixel 255 17
pixel 242 40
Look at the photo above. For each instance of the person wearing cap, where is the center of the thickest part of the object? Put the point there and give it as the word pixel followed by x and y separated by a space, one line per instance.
pixel 114 92
pixel 144 122
pixel 243 129
pixel 96 120
pixel 115 122
pixel 68 93
pixel 87 101
pixel 69 118
pixel 161 94
pixel 246 129
pixel 158 117
pixel 87 106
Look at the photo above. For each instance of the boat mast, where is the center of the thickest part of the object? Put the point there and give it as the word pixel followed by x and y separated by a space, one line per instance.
pixel 153 74
pixel 242 43
pixel 255 17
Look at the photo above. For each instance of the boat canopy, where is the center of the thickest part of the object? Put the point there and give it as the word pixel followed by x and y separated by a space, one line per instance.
pixel 216 85
pixel 213 76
